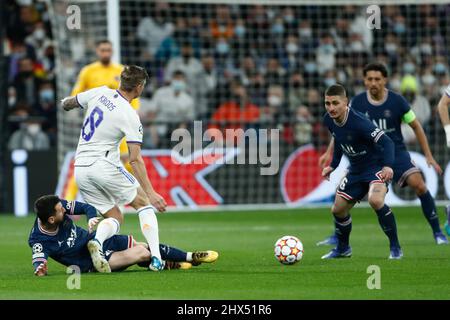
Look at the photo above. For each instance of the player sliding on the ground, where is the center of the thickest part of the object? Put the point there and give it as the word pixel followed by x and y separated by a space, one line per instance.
pixel 444 104
pixel 388 110
pixel 55 235
pixel 369 172
pixel 99 173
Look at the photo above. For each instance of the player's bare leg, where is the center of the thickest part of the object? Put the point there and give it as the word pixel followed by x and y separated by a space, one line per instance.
pixel 416 182
pixel 149 227
pixel 343 226
pixel 377 194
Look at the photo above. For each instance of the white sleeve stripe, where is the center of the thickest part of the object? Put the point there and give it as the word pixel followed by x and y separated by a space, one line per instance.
pixel 378 136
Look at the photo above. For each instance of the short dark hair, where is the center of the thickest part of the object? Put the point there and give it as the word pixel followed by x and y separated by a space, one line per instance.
pixel 336 90
pixel 45 207
pixel 102 41
pixel 178 73
pixel 131 77
pixel 375 66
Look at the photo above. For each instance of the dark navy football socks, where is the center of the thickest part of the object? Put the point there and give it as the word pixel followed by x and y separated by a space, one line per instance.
pixel 343 227
pixel 172 254
pixel 429 211
pixel 387 222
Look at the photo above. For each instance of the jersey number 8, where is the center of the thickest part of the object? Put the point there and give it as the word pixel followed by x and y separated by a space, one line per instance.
pixel 92 123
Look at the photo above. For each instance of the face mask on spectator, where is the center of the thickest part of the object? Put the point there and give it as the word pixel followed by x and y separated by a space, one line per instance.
pixel 305 33
pixel 391 47
pixel 329 81
pixel 47 95
pixel 426 49
pixel 24 2
pixel 222 48
pixel 178 85
pixel 399 28
pixel 409 67
pixel 274 101
pixel 39 34
pixel 357 46
pixel 292 48
pixel 439 68
pixel 428 79
pixel 328 48
pixel 310 67
pixel 33 128
pixel 277 28
pixel 239 31
pixel 289 18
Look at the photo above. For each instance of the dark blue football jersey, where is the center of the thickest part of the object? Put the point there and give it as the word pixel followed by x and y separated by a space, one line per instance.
pixel 67 244
pixel 387 115
pixel 358 138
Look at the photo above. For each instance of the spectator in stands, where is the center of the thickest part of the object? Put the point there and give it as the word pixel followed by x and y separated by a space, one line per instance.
pixel 30 136
pixel 236 113
pixel 154 29
pixel 419 104
pixel 326 51
pixel 222 25
pixel 275 73
pixel 47 109
pixel 303 127
pixel 274 109
pixel 190 66
pixel 296 91
pixel 171 107
pixel 208 82
pixel 26 84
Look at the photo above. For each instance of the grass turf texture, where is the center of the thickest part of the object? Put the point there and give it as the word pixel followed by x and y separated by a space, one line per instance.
pixel 246 268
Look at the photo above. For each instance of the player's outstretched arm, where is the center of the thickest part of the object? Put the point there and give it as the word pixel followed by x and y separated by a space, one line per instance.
pixel 69 103
pixel 138 165
pixel 423 141
pixel 443 106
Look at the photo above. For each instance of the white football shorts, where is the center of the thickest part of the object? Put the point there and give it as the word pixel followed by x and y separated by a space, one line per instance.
pixel 105 185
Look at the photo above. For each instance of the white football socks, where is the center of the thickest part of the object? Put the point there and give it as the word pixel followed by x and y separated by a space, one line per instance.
pixel 106 229
pixel 149 228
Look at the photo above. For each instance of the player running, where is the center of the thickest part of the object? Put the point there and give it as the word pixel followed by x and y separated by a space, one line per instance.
pixel 55 235
pixel 369 172
pixel 388 110
pixel 443 106
pixel 99 173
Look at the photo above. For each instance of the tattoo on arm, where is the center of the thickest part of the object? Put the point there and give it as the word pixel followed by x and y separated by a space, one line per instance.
pixel 69 103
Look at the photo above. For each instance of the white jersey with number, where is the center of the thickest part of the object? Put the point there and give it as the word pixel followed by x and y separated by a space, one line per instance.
pixel 108 118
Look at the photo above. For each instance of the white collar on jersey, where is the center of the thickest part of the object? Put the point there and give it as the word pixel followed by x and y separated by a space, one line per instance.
pixel 49 233
pixel 377 103
pixel 347 111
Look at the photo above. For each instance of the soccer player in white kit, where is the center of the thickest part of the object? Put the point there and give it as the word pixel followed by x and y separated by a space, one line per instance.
pixel 102 180
pixel 444 104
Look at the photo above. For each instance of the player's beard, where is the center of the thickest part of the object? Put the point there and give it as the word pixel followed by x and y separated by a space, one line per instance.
pixel 105 61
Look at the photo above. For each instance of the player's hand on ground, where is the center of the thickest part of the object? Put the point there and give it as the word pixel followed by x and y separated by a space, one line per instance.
pixel 326 172
pixel 324 159
pixel 157 201
pixel 432 163
pixel 41 270
pixel 92 223
pixel 387 174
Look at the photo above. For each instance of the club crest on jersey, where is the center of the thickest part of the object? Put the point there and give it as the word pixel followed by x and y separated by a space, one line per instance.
pixel 387 113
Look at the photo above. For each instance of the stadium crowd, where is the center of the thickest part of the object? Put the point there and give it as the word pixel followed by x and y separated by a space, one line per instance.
pixel 242 65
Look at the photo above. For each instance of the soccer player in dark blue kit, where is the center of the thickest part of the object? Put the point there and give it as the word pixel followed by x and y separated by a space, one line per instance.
pixel 371 155
pixel 388 110
pixel 55 235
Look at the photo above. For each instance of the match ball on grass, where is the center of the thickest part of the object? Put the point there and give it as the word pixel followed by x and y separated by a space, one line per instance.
pixel 288 250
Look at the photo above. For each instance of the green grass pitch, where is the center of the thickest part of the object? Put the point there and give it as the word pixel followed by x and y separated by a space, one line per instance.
pixel 246 268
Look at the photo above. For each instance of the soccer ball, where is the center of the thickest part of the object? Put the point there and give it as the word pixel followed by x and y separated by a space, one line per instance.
pixel 288 250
